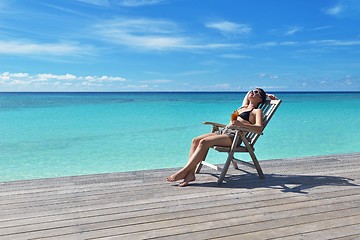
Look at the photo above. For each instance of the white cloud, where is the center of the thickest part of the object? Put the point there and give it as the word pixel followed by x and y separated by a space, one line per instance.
pixel 31 48
pixel 124 3
pixel 91 84
pixel 315 43
pixel 335 10
pixel 230 28
pixel 292 30
pixel 82 78
pixel 143 33
pixel 289 43
pixel 139 25
pixel 19 82
pixel 158 81
pixel 234 56
pixel 151 34
pixel 286 31
pixel 266 45
pixel 320 28
pixel 270 76
pixel 109 79
pixel 54 81
pixel 222 86
pixel 48 76
pixel 138 3
pixel 7 75
pixel 96 2
pixel 348 80
pixel 212 87
pixel 212 46
pixel 133 86
pixel 344 8
pixel 194 72
pixel 334 42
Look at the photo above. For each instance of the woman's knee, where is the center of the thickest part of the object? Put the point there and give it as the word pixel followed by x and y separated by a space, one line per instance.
pixel 196 141
pixel 205 143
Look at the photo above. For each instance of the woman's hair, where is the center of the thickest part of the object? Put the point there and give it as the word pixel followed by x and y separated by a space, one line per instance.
pixel 263 94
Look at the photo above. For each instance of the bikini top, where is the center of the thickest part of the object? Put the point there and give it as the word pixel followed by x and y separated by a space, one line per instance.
pixel 246 115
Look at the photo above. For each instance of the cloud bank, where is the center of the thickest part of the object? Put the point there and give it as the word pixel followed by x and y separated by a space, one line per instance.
pixel 55 82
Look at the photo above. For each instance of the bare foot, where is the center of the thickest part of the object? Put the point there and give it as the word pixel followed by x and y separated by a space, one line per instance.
pixel 190 177
pixel 176 177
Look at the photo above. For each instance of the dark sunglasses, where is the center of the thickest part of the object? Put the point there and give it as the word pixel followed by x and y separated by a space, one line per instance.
pixel 256 92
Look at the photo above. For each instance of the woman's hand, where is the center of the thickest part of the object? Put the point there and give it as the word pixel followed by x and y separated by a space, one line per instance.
pixel 236 123
pixel 271 96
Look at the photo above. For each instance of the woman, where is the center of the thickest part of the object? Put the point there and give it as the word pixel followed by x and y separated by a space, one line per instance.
pixel 249 117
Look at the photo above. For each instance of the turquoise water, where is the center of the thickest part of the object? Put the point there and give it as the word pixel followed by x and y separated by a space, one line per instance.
pixel 61 134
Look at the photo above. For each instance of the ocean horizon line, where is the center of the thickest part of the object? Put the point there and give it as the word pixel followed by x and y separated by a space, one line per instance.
pixel 293 91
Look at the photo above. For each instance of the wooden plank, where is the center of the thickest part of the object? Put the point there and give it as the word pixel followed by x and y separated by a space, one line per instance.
pixel 138 205
pixel 189 210
pixel 112 199
pixel 291 230
pixel 349 232
pixel 63 189
pixel 257 195
pixel 349 237
pixel 64 182
pixel 137 231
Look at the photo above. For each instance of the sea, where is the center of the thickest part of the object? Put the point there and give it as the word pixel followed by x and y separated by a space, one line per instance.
pixel 45 135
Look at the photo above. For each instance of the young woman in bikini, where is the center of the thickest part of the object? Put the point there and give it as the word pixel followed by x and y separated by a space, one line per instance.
pixel 249 117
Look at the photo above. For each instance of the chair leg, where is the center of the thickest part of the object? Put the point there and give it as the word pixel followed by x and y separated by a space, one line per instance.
pixel 198 168
pixel 226 167
pixel 253 157
pixel 256 164
pixel 235 165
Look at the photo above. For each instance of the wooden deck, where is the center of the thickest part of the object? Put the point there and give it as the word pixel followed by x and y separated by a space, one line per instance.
pixel 305 198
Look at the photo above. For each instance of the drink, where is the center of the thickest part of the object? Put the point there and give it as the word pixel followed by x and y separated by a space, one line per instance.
pixel 234 115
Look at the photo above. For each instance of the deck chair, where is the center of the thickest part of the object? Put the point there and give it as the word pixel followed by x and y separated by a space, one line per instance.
pixel 247 140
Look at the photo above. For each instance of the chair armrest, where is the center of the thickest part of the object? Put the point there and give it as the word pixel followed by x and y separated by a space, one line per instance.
pixel 215 124
pixel 243 129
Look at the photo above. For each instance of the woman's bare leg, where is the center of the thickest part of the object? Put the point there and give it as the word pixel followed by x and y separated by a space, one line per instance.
pixel 199 155
pixel 196 141
pixel 194 144
pixel 190 177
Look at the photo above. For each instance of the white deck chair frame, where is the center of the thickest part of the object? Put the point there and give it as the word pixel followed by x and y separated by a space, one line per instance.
pixel 248 140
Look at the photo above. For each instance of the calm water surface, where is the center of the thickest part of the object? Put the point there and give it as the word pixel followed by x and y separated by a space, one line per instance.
pixel 61 134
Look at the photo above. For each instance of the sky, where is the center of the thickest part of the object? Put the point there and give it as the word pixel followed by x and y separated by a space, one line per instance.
pixel 179 45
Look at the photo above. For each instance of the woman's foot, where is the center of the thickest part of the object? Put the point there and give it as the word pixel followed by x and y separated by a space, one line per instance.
pixel 176 177
pixel 190 177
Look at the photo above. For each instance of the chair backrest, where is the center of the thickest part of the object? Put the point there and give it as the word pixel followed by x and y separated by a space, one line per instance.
pixel 268 108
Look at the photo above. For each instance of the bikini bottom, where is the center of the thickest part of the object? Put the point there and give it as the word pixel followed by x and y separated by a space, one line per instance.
pixel 228 132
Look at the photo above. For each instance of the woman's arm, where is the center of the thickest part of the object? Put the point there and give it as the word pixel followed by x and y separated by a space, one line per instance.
pixel 271 96
pixel 245 101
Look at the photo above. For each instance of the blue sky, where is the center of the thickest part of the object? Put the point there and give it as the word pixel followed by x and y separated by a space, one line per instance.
pixel 179 45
